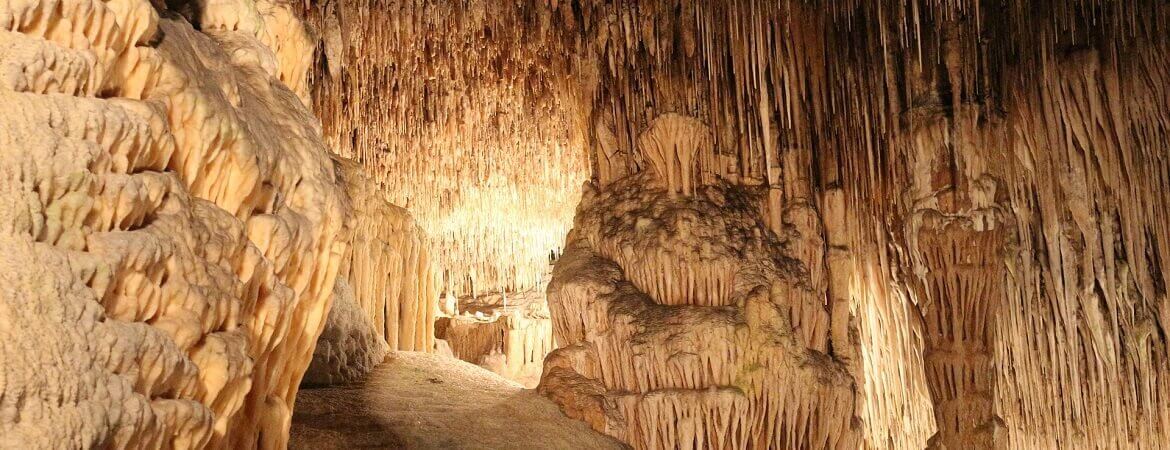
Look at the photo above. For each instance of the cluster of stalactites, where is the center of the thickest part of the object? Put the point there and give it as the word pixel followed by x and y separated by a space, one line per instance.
pixel 794 74
pixel 465 114
pixel 671 280
pixel 1027 121
pixel 391 268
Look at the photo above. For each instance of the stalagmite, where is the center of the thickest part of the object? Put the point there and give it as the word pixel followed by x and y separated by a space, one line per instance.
pixel 736 359
pixel 173 225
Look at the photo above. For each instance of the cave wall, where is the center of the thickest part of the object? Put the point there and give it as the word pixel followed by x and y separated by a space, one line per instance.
pixel 172 224
pixel 978 191
pixel 386 297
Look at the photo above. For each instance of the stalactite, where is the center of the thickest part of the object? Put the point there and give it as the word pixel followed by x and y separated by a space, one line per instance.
pixel 464 114
pixel 1086 286
pixel 1038 125
pixel 390 268
pixel 647 360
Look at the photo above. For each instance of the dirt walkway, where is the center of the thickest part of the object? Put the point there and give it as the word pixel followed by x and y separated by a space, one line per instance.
pixel 421 401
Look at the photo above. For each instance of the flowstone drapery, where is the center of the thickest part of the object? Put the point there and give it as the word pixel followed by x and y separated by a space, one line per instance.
pixel 172 225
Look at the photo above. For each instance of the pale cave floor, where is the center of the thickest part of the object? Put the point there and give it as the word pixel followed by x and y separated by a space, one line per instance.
pixel 426 401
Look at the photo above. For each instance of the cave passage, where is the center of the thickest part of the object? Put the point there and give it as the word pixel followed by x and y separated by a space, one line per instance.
pixel 585 224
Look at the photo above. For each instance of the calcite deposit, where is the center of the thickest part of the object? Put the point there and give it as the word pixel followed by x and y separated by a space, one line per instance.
pixel 509 334
pixel 464 114
pixel 683 324
pixel 897 224
pixel 386 295
pixel 172 225
pixel 391 269
pixel 977 190
pixel 349 346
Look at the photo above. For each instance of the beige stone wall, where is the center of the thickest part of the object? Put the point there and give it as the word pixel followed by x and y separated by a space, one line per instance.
pixel 172 225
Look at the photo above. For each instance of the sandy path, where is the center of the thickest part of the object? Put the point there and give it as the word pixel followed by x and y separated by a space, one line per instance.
pixel 421 401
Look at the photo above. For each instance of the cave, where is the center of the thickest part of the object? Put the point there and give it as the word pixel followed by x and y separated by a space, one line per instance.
pixel 585 224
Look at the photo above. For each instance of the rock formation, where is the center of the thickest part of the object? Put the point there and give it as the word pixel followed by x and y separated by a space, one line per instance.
pixel 391 270
pixel 462 113
pixel 172 225
pixel 386 296
pixel 349 346
pixel 509 334
pixel 682 325
pixel 977 191
pixel 886 224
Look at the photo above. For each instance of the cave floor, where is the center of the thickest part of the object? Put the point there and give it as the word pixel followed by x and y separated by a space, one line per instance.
pixel 426 401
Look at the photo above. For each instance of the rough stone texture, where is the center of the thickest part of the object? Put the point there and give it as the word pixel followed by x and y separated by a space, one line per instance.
pixel 171 225
pixel 683 325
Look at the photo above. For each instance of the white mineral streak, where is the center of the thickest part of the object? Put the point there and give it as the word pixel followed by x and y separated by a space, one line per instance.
pixel 172 227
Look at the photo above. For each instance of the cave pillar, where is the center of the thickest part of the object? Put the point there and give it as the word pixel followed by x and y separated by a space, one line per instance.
pixel 957 235
pixel 961 294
